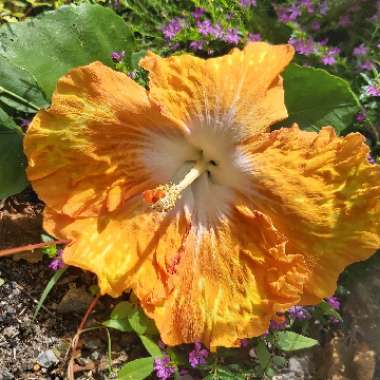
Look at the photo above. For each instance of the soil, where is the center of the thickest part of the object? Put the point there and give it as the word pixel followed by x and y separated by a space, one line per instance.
pixel 38 349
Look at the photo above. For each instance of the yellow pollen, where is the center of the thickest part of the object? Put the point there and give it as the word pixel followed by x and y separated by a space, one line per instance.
pixel 164 197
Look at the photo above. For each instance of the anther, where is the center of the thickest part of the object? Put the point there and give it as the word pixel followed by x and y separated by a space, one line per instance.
pixel 164 197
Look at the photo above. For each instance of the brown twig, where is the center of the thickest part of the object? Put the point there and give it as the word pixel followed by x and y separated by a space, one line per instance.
pixel 31 247
pixel 75 340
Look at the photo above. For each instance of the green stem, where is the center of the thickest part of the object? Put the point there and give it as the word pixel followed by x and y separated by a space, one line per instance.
pixel 30 104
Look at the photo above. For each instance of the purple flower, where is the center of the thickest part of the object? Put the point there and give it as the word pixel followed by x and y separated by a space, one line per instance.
pixel 164 370
pixel 373 91
pixel 204 27
pixel 198 13
pixel 197 45
pixel 217 31
pixel 360 117
pixel 308 5
pixel 315 25
pixel 333 302
pixel 274 326
pixel 299 312
pixel 248 3
pixel 360 50
pixel 24 123
pixel 323 8
pixel 335 321
pixel 287 14
pixel 344 21
pixel 294 12
pixel 231 36
pixel 367 65
pixel 244 343
pixel 118 56
pixel 254 37
pixel 304 47
pixel 330 56
pixel 198 355
pixel 57 262
pixel 171 29
pixel 371 160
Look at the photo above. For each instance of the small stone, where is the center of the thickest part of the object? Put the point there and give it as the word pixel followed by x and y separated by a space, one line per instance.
pixel 76 300
pixel 296 366
pixel 10 331
pixel 36 367
pixel 47 359
pixel 252 353
pixel 95 355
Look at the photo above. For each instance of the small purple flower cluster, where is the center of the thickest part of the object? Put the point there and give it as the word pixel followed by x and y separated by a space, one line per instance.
pixel 329 58
pixel 299 313
pixel 373 90
pixel 304 47
pixel 164 368
pixel 117 56
pixel 207 29
pixel 198 355
pixel 248 3
pixel 173 27
pixel 333 302
pixel 57 262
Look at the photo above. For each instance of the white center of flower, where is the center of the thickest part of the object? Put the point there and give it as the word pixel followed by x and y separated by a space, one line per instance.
pixel 202 172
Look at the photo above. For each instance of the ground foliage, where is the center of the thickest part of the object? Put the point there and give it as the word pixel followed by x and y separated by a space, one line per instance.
pixel 334 80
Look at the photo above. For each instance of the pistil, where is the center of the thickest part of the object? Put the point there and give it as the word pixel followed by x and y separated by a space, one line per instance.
pixel 164 197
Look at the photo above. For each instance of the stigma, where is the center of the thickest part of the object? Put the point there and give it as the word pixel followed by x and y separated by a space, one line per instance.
pixel 163 198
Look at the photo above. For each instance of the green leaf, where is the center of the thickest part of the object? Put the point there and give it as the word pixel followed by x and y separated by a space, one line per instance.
pixel 12 159
pixel 119 317
pixel 122 310
pixel 138 321
pixel 151 346
pixel 118 324
pixel 289 341
pixel 314 98
pixel 18 89
pixel 138 369
pixel 328 310
pixel 50 285
pixel 49 45
pixel 263 355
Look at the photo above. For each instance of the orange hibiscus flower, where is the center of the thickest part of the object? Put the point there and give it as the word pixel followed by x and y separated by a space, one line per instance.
pixel 182 194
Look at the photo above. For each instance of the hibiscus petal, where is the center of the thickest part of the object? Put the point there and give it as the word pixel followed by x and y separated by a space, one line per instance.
pixel 228 282
pixel 322 194
pixel 131 248
pixel 84 153
pixel 241 91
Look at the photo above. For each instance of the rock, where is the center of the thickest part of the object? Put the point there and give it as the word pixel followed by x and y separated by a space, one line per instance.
pixel 7 375
pixel 47 359
pixel 299 365
pixel 10 331
pixel 76 300
pixel 364 362
pixel 95 355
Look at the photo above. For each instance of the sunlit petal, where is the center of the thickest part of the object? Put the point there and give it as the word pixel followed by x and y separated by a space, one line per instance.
pixel 322 194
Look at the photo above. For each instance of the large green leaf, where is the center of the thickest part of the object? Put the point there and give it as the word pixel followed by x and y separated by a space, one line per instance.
pixel 50 45
pixel 12 159
pixel 138 369
pixel 18 89
pixel 314 98
pixel 290 341
pixel 151 346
